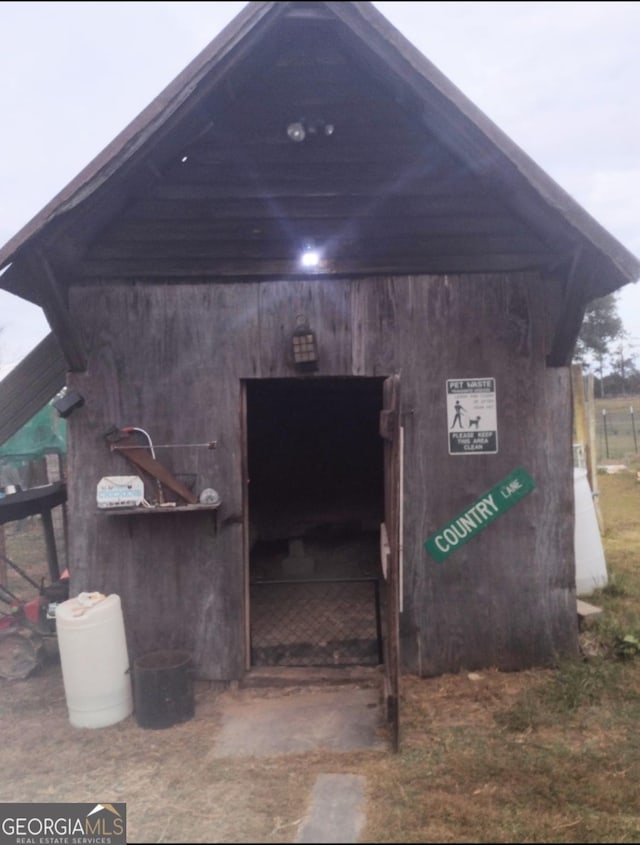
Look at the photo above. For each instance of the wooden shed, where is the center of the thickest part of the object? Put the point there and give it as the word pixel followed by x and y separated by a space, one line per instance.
pixel 312 186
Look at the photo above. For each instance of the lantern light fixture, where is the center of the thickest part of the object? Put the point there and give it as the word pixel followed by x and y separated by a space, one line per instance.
pixel 304 346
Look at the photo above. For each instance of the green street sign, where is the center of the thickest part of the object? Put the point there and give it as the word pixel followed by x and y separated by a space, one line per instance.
pixel 481 513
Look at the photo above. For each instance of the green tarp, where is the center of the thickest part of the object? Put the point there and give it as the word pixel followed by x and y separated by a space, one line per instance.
pixel 44 434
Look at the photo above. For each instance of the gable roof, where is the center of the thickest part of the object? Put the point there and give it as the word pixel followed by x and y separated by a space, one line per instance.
pixel 591 260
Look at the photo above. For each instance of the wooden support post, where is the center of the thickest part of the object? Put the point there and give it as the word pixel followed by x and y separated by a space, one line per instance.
pixel 592 453
pixel 55 473
pixel 571 315
pixel 584 431
pixel 53 299
pixel 50 542
pixel 579 411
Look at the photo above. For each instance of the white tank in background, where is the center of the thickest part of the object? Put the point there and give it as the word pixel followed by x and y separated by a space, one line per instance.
pixel 591 566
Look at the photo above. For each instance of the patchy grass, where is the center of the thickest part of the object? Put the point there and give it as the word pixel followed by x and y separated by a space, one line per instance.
pixel 535 756
pixel 539 756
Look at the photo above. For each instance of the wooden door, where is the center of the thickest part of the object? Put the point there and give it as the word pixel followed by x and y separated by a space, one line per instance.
pixel 390 432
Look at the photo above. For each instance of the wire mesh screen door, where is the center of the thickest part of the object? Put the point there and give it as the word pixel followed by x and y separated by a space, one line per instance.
pixel 316 623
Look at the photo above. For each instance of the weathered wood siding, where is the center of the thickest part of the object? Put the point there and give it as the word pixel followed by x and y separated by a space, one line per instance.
pixel 170 359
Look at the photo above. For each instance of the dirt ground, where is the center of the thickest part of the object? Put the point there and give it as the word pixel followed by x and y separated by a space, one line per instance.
pixel 532 756
pixel 176 787
pixel 459 777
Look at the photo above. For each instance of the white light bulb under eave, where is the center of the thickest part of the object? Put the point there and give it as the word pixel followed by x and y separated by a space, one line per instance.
pixel 296 131
pixel 310 259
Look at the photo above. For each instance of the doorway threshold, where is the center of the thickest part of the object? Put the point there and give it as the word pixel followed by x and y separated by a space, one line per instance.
pixel 294 676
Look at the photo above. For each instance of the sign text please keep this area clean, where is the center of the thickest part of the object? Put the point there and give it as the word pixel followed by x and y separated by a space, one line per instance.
pixel 472 416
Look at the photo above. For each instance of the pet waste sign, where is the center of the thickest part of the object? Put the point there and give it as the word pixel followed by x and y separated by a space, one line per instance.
pixel 472 416
pixel 481 513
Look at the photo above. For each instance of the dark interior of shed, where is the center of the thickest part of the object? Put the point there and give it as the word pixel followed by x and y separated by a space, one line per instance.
pixel 316 501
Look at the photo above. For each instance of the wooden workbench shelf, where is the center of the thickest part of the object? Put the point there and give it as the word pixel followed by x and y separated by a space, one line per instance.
pixel 178 509
pixel 142 511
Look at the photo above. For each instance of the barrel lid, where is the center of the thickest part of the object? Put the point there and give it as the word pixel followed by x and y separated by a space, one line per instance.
pixel 86 604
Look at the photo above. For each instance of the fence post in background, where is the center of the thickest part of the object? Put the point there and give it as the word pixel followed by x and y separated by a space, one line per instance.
pixel 633 429
pixel 606 434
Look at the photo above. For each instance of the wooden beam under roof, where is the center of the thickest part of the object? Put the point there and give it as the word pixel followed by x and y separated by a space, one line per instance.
pixel 572 312
pixel 53 299
pixel 30 385
pixel 209 270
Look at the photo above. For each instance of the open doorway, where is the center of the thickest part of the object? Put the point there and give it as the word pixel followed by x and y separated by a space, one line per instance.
pixel 315 499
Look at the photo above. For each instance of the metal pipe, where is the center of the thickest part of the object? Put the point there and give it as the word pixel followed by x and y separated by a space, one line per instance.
pixel 20 571
pixel 153 455
pixel 211 444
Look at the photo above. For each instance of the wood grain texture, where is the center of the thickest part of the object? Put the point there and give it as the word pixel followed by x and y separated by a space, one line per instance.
pixel 503 599
pixel 171 359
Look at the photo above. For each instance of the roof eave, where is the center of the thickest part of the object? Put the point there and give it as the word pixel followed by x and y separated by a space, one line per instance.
pixel 413 66
pixel 472 131
pixel 125 145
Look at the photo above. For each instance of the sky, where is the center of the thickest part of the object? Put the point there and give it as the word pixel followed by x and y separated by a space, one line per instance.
pixel 562 79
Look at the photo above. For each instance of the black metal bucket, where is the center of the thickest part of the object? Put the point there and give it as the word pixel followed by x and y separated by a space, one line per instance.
pixel 163 688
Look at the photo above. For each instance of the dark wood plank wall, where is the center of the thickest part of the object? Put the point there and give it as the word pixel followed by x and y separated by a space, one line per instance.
pixel 170 359
pixel 167 359
pixel 506 598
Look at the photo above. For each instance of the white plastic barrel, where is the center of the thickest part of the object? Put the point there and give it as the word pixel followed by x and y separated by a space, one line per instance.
pixel 94 660
pixel 591 567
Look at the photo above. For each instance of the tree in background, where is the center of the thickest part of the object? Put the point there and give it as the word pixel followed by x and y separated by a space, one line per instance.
pixel 623 377
pixel 601 328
